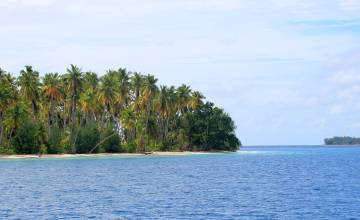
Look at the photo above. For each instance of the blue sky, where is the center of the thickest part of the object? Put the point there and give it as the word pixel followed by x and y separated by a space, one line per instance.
pixel 287 71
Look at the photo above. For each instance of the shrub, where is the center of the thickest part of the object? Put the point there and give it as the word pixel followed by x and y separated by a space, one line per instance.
pixel 112 144
pixel 55 145
pixel 25 140
pixel 130 147
pixel 87 138
pixel 6 150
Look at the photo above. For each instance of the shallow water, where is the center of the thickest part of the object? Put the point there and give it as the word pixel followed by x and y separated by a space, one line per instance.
pixel 255 183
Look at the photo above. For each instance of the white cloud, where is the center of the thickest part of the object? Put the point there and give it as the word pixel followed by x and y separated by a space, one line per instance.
pixel 350 76
pixel 350 94
pixel 26 3
pixel 240 53
pixel 336 109
pixel 350 5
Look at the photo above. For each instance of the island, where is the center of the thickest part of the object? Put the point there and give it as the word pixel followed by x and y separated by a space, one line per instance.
pixel 118 112
pixel 342 141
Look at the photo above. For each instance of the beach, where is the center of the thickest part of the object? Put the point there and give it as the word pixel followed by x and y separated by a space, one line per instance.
pixel 156 153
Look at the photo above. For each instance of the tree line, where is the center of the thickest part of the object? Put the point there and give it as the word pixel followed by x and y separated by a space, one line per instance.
pixel 121 111
pixel 342 141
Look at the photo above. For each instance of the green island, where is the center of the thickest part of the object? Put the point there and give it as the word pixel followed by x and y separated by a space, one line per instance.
pixel 342 141
pixel 120 112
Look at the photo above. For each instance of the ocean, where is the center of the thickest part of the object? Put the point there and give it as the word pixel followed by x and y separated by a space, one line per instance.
pixel 285 182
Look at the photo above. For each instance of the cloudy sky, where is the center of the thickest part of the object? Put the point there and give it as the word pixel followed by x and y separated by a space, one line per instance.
pixel 287 71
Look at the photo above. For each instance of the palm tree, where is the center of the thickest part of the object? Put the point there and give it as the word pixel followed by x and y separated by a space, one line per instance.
pixel 128 103
pixel 108 92
pixel 91 80
pixel 15 115
pixel 163 107
pixel 30 88
pixel 128 122
pixel 89 98
pixel 136 84
pixel 122 98
pixel 196 100
pixel 7 92
pixel 52 93
pixel 74 77
pixel 64 89
pixel 89 104
pixel 183 94
pixel 149 92
pixel 124 86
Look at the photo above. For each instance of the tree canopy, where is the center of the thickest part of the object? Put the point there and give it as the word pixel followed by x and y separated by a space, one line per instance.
pixel 120 111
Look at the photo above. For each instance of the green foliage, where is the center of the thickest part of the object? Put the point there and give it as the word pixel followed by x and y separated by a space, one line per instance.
pixel 26 139
pixel 342 141
pixel 43 149
pixel 130 147
pixel 87 138
pixel 112 144
pixel 55 145
pixel 120 111
pixel 212 129
pixel 6 150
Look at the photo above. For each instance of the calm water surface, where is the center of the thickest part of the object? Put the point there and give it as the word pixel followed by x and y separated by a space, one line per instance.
pixel 255 183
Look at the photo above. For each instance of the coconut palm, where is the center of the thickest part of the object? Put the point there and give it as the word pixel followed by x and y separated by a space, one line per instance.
pixel 91 80
pixel 89 104
pixel 163 107
pixel 149 89
pixel 30 88
pixel 128 122
pixel 52 94
pixel 65 96
pixel 136 84
pixel 7 92
pixel 149 92
pixel 196 100
pixel 108 92
pixel 130 105
pixel 15 116
pixel 183 96
pixel 74 78
pixel 124 87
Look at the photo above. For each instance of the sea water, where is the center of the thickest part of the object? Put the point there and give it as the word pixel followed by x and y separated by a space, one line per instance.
pixel 302 182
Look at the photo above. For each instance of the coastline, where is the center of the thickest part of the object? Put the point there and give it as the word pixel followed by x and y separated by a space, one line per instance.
pixel 99 155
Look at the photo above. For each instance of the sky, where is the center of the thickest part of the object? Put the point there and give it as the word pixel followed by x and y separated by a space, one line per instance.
pixel 287 71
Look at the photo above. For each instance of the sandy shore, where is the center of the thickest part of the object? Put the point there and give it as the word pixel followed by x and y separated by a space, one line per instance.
pixel 157 153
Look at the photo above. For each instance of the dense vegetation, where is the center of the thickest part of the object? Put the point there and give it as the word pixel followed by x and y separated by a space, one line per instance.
pixel 121 111
pixel 342 141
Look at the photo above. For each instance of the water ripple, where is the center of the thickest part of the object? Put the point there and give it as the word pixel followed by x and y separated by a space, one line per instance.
pixel 255 183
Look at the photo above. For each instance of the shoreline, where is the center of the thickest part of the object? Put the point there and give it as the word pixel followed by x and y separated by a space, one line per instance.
pixel 99 155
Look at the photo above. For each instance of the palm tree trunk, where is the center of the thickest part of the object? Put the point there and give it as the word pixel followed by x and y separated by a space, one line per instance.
pixel 64 119
pixel 147 124
pixel 48 123
pixel 10 135
pixel 98 144
pixel 50 117
pixel 74 112
pixel 1 127
pixel 33 110
pixel 166 129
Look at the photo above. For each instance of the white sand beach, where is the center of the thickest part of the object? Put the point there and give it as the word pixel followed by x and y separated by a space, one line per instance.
pixel 155 153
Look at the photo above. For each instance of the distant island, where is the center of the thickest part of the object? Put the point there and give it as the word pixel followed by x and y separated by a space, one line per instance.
pixel 342 141
pixel 120 111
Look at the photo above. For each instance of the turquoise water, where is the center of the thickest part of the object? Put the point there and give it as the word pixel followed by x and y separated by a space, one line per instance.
pixel 255 183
